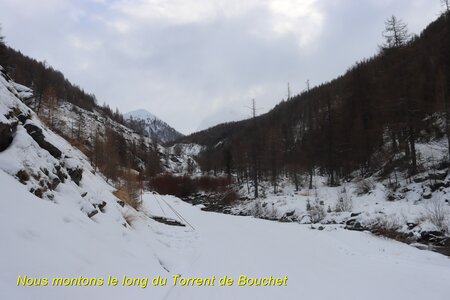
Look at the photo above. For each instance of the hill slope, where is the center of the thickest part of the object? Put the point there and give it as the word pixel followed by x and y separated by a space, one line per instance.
pixel 367 120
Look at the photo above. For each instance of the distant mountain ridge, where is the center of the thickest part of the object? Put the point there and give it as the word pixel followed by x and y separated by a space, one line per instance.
pixel 152 126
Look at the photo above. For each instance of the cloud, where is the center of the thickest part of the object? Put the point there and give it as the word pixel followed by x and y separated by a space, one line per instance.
pixel 196 62
pixel 303 19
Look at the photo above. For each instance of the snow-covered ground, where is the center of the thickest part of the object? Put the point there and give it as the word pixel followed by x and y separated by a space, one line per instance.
pixel 44 239
pixel 412 204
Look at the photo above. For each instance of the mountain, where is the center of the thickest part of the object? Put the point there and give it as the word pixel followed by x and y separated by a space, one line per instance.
pixel 152 126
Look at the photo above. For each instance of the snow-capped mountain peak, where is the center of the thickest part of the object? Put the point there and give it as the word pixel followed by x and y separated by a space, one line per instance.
pixel 153 127
pixel 140 114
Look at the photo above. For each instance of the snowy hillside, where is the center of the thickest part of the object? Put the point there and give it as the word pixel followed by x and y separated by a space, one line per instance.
pixel 154 127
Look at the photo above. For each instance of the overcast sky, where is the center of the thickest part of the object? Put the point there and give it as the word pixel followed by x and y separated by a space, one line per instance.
pixel 195 63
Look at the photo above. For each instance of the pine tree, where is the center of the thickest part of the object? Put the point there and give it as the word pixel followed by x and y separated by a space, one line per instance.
pixel 395 33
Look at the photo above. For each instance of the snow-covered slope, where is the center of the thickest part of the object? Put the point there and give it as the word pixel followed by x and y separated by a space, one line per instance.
pixel 59 217
pixel 155 128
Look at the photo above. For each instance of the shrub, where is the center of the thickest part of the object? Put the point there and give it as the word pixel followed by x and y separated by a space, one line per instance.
pixel 257 209
pixel 389 229
pixel 168 184
pixel 230 197
pixel 130 199
pixel 184 186
pixel 364 186
pixel 129 218
pixel 437 212
pixel 344 202
pixel 213 184
pixel 316 211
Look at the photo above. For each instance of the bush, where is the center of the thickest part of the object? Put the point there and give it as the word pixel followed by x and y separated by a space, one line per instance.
pixel 344 202
pixel 437 212
pixel 364 186
pixel 130 199
pixel 230 197
pixel 184 186
pixel 213 184
pixel 168 184
pixel 389 229
pixel 257 209
pixel 316 211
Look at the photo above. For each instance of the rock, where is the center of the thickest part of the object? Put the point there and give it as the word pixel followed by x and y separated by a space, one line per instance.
pixel 352 215
pixel 411 225
pixel 84 194
pixel 420 179
pixel 39 192
pixel 174 159
pixel 101 206
pixel 62 177
pixel 76 175
pixel 54 184
pixel 23 176
pixel 437 186
pixel 92 213
pixel 290 213
pixel 431 237
pixel 426 195
pixel 23 118
pixel 121 203
pixel 357 226
pixel 420 246
pixel 438 175
pixel 321 228
pixel 6 136
pixel 37 135
pixel 350 222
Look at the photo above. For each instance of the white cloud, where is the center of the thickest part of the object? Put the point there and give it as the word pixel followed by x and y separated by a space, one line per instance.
pixel 185 60
pixel 302 18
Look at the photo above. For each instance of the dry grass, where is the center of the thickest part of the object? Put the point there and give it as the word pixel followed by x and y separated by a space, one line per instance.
pixel 123 195
pixel 391 230
pixel 129 218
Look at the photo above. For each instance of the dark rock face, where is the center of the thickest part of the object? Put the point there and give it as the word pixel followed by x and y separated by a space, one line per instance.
pixel 37 135
pixel 6 136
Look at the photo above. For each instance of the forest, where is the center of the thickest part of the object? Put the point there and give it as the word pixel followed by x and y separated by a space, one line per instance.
pixel 368 120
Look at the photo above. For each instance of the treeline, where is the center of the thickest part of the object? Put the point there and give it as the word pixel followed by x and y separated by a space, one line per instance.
pixel 368 120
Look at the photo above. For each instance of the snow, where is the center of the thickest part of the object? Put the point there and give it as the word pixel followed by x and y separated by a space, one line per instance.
pixel 47 239
pixel 154 127
pixel 141 114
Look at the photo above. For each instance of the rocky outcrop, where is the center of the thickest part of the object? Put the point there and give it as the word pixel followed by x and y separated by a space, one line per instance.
pixel 37 135
pixel 76 175
pixel 6 135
